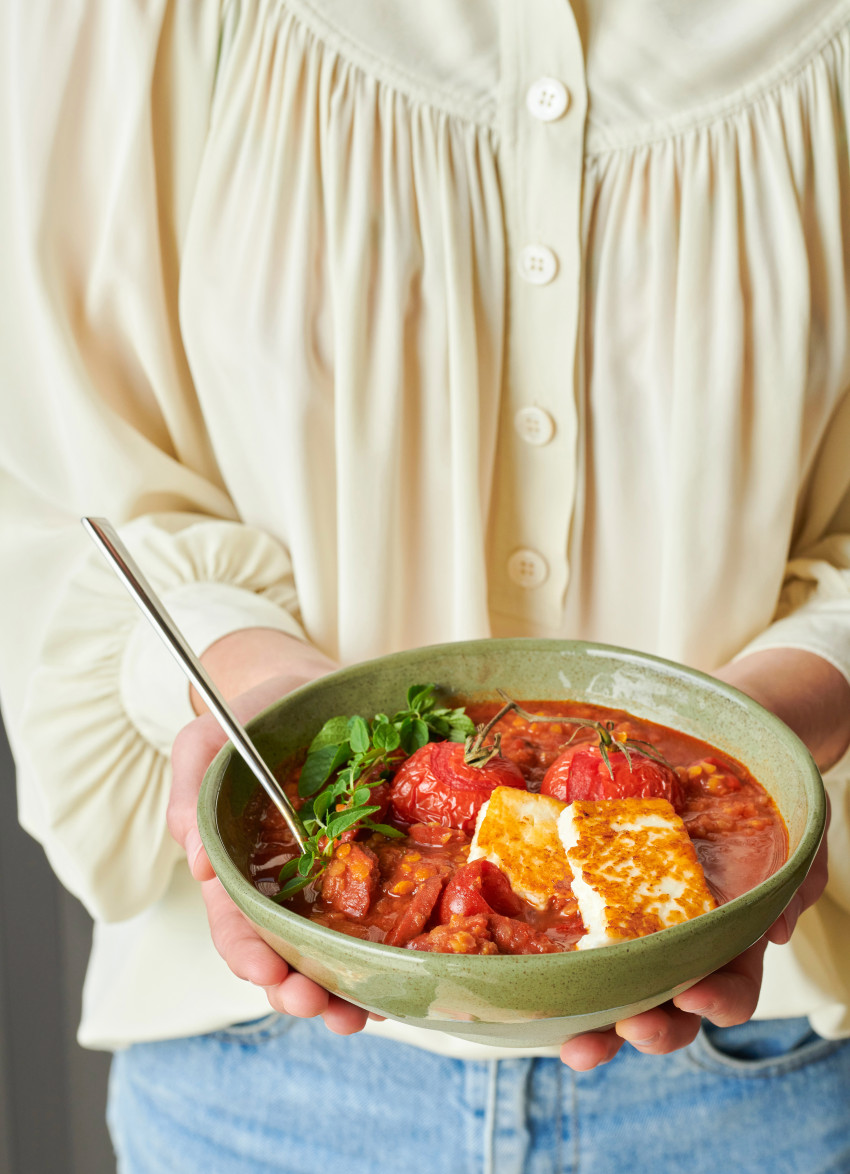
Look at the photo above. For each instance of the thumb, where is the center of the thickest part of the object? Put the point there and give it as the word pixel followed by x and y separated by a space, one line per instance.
pixel 193 750
pixel 199 862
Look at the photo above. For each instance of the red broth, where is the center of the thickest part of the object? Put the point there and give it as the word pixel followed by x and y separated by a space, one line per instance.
pixel 737 832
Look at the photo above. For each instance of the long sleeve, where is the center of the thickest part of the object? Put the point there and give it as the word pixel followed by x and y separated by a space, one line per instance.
pixel 813 611
pixel 103 130
pixel 352 339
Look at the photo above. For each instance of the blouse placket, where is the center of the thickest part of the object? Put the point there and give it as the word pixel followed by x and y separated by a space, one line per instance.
pixel 542 115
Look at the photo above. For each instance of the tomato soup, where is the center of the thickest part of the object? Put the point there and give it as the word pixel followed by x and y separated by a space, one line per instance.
pixel 416 888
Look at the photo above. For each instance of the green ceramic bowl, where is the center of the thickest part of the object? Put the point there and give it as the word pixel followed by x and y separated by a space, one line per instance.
pixel 538 999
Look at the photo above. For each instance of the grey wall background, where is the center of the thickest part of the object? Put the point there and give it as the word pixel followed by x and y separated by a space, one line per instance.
pixel 52 1092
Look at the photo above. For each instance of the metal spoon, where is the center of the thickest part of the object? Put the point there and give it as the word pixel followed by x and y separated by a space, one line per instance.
pixel 103 534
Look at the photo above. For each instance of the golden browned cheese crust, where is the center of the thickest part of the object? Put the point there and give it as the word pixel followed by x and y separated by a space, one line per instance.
pixel 518 832
pixel 635 868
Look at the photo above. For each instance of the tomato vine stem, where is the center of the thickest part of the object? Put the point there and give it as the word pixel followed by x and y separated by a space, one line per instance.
pixel 478 752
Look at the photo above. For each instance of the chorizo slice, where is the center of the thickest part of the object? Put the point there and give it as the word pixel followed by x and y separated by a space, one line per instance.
pixel 351 880
pixel 416 912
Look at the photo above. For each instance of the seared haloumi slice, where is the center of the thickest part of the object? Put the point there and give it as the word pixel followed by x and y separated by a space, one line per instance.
pixel 518 832
pixel 634 868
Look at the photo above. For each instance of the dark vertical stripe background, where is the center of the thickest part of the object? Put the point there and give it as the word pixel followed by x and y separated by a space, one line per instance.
pixel 52 1092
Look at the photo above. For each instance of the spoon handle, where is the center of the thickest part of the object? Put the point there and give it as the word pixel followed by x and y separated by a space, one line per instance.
pixel 122 562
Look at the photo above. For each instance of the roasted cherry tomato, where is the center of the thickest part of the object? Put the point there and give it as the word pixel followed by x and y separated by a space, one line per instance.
pixel 435 785
pixel 478 887
pixel 582 773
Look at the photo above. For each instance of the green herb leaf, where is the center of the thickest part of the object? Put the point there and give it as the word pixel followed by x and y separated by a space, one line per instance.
pixel 319 766
pixel 420 697
pixel 305 864
pixel 438 724
pixel 322 803
pixel 461 726
pixel 384 828
pixel 289 869
pixel 339 790
pixel 386 737
pixel 358 735
pixel 413 733
pixel 291 888
pixel 332 733
pixel 348 818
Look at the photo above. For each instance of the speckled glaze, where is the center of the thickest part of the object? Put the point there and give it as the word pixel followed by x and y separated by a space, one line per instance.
pixel 538 999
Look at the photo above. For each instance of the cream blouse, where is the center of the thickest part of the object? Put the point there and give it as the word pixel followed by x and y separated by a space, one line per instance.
pixel 389 323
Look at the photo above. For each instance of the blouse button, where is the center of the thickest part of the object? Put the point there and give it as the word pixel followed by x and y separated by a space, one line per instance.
pixel 547 99
pixel 537 264
pixel 534 425
pixel 527 568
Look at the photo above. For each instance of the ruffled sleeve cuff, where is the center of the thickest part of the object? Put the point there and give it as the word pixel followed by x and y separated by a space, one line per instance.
pixel 821 629
pixel 154 690
pixel 814 613
pixel 106 699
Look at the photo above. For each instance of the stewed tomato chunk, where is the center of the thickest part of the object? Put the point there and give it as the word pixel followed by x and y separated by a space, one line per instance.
pixel 463 935
pixel 517 937
pixel 581 772
pixel 478 887
pixel 436 785
pixel 485 933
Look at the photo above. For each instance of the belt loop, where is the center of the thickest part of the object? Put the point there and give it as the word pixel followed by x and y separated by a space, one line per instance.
pixel 490 1117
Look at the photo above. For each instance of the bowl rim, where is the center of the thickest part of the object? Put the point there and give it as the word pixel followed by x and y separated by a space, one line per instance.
pixel 251 900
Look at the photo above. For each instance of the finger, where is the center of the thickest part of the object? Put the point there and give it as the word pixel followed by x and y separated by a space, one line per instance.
pixel 587 1051
pixel 659 1031
pixel 199 862
pixel 344 1018
pixel 808 892
pixel 194 749
pixel 305 999
pixel 729 996
pixel 244 951
pixel 299 996
pixel 781 930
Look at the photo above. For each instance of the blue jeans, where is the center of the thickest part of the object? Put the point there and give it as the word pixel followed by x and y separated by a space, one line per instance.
pixel 285 1096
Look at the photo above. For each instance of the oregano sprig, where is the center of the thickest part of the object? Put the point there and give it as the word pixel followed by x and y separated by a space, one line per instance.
pixel 347 758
